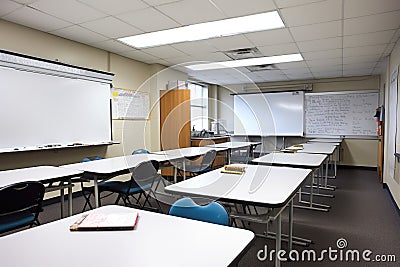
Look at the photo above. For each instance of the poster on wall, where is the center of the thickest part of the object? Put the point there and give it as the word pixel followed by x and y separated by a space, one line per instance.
pixel 392 112
pixel 130 104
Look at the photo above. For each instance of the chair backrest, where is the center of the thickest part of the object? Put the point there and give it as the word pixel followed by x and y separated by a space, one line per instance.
pixel 140 151
pixel 21 197
pixel 212 212
pixel 208 159
pixel 88 159
pixel 145 173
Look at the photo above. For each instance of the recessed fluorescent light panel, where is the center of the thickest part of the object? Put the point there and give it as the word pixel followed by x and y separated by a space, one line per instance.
pixel 247 62
pixel 201 31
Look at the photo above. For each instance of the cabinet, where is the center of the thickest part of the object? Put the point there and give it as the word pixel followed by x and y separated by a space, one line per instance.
pixel 204 141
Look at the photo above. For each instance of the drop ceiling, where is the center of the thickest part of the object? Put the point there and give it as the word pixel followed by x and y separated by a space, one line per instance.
pixel 337 38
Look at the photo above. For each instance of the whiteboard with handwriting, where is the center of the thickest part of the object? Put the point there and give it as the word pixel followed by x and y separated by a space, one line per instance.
pixel 346 113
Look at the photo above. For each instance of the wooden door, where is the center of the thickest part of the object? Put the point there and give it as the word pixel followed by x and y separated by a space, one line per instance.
pixel 174 119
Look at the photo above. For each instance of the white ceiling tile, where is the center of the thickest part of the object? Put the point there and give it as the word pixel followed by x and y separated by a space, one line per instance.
pixel 335 53
pixel 35 19
pixel 115 6
pixel 25 1
pixel 198 47
pixel 282 49
pixel 324 62
pixel 210 57
pixel 372 23
pixel 158 2
pixel 316 13
pixel 251 7
pixel 164 52
pixel 292 65
pixel 358 8
pixel 7 6
pixel 327 74
pixel 188 12
pixel 321 44
pixel 138 55
pixel 230 42
pixel 382 37
pixel 79 34
pixel 140 19
pixel 361 59
pixel 317 31
pixel 296 71
pixel 289 3
pixel 364 50
pixel 327 68
pixel 111 27
pixel 263 38
pixel 112 46
pixel 71 10
pixel 183 60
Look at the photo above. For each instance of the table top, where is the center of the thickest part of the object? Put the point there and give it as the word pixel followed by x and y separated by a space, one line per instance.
pixel 232 145
pixel 266 186
pixel 189 151
pixel 326 140
pixel 292 159
pixel 116 165
pixel 39 173
pixel 315 148
pixel 193 243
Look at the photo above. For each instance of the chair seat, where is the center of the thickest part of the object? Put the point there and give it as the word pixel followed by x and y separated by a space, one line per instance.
pixel 123 187
pixel 10 222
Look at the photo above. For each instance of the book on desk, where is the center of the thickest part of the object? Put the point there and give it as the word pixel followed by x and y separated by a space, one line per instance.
pixel 105 222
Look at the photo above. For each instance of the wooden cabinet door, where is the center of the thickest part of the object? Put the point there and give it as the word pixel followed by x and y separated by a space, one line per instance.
pixel 174 119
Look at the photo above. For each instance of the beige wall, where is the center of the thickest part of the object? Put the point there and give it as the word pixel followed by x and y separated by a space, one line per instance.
pixel 131 74
pixel 392 181
pixel 355 152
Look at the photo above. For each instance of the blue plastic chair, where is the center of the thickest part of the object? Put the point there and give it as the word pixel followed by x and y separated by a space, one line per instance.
pixel 212 212
pixel 140 151
pixel 20 205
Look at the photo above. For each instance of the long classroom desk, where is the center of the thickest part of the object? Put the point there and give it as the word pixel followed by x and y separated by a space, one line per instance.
pixel 179 155
pixel 299 160
pixel 231 146
pixel 45 175
pixel 110 167
pixel 157 240
pixel 261 186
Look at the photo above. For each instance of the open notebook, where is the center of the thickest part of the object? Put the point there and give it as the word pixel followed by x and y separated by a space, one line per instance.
pixel 106 222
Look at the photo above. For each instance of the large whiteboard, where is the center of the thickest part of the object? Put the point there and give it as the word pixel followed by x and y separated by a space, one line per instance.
pixel 269 114
pixel 346 113
pixel 39 110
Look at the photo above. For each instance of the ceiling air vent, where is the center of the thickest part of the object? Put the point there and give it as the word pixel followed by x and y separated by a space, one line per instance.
pixel 243 53
pixel 262 67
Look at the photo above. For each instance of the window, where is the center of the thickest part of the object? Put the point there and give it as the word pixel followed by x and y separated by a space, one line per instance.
pixel 198 106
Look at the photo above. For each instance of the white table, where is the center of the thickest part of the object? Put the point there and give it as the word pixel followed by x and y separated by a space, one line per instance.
pixel 300 160
pixel 326 140
pixel 259 186
pixel 230 146
pixel 194 243
pixel 43 174
pixel 111 167
pixel 179 155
